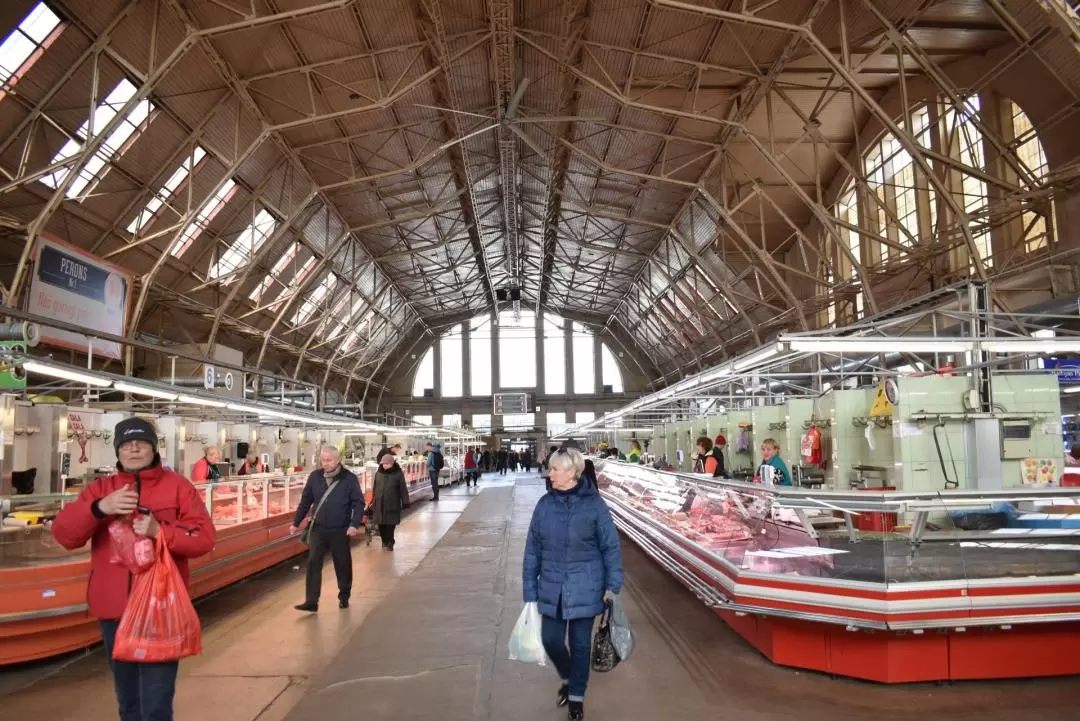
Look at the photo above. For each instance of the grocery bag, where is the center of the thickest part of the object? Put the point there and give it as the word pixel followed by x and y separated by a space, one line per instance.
pixel 525 642
pixel 604 657
pixel 159 622
pixel 135 553
pixel 621 636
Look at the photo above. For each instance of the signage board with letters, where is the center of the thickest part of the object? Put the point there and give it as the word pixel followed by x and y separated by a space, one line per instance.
pixel 510 403
pixel 78 288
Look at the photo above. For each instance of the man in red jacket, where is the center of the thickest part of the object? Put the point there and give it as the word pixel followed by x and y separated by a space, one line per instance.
pixel 169 507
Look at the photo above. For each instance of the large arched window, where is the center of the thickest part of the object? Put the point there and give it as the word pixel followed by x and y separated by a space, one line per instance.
pixel 519 344
pixel 889 214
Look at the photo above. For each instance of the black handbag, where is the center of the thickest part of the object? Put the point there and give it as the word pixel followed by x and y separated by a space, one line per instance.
pixel 604 657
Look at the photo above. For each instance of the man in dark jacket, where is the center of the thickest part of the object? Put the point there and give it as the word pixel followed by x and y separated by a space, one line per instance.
pixel 176 513
pixel 335 493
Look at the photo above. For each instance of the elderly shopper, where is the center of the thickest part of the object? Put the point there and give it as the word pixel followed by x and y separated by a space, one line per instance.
pixel 389 497
pixel 206 469
pixel 572 564
pixel 334 491
pixel 159 503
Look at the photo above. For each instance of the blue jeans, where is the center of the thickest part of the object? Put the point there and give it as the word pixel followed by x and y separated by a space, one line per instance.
pixel 573 664
pixel 143 690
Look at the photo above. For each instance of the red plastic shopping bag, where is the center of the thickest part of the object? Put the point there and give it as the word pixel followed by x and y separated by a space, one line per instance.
pixel 135 553
pixel 159 623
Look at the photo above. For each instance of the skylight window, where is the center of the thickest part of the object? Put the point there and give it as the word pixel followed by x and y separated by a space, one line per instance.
pixel 358 305
pixel 162 196
pixel 26 43
pixel 312 301
pixel 203 218
pixel 354 335
pixel 275 273
pixel 335 312
pixel 98 164
pixel 240 252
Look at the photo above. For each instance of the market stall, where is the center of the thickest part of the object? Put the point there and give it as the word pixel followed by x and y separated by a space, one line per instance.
pixel 936 597
pixel 43 609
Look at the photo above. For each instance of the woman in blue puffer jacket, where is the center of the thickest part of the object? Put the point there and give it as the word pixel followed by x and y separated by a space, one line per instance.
pixel 572 561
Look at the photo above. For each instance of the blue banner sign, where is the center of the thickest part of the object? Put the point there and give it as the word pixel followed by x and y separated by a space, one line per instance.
pixel 73 274
pixel 1068 370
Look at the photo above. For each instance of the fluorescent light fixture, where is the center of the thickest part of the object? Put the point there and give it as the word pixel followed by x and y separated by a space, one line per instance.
pixel 858 344
pixel 1035 345
pixel 1074 389
pixel 47 369
pixel 754 358
pixel 144 391
pixel 196 401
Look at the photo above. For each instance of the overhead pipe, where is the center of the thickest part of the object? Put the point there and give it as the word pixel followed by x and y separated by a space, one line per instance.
pixel 280 393
pixel 23 331
pixel 189 382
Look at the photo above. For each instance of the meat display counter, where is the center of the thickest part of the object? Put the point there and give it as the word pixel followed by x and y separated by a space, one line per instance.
pixel 416 477
pixel 941 585
pixel 43 608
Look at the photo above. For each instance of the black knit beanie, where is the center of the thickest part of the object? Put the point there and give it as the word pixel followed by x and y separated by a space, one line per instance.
pixel 134 429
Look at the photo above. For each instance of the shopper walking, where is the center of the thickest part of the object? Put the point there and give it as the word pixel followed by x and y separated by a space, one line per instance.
pixel 544 466
pixel 572 564
pixel 335 493
pixel 389 496
pixel 502 459
pixel 470 466
pixel 144 691
pixel 435 465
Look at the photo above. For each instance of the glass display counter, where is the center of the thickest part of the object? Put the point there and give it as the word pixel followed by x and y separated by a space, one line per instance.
pixel 866 562
pixel 43 608
pixel 416 477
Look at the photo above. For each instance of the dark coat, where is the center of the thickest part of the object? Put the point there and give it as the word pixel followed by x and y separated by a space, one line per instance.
pixel 572 553
pixel 389 496
pixel 342 509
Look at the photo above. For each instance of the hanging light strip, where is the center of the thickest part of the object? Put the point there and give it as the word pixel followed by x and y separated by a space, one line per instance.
pixel 54 371
pixel 144 391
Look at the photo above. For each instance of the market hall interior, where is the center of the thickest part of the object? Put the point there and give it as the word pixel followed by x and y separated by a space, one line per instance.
pixel 427 633
pixel 799 278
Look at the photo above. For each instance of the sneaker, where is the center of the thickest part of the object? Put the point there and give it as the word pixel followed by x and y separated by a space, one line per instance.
pixel 577 711
pixel 307 607
pixel 563 696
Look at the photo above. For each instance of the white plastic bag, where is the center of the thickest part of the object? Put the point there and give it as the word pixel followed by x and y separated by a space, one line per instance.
pixel 525 642
pixel 621 635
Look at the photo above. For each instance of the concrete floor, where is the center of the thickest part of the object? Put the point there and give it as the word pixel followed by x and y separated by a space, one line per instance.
pixel 426 638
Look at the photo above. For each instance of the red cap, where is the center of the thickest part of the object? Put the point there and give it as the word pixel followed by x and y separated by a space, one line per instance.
pixel 720 440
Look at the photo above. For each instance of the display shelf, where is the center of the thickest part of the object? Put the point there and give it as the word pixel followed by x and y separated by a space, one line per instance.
pixel 43 608
pixel 791 571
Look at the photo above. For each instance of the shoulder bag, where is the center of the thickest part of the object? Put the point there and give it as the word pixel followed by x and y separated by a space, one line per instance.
pixel 305 535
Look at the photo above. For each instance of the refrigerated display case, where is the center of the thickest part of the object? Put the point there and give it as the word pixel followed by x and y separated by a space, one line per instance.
pixel 416 477
pixel 793 573
pixel 43 609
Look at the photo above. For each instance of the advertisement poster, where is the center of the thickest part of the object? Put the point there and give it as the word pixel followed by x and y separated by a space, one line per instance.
pixel 73 286
pixel 1038 471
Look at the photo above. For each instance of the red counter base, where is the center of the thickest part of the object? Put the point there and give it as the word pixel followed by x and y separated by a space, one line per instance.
pixel 34 628
pixel 891 657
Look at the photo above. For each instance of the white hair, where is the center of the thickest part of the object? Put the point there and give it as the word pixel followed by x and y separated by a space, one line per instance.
pixel 328 448
pixel 565 458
